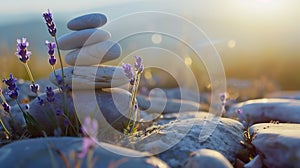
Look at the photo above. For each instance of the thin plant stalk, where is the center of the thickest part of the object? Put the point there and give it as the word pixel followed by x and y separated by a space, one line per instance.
pixel 60 61
pixel 29 73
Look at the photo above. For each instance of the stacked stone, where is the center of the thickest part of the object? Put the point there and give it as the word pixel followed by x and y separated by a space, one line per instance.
pixel 90 46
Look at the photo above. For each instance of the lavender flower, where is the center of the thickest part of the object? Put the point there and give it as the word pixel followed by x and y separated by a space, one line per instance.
pixel 11 82
pixel 40 101
pixel 49 22
pixel 90 130
pixel 13 94
pixel 139 67
pixel 49 94
pixel 239 111
pixel 59 112
pixel 51 46
pixel 59 79
pixel 34 88
pixel 128 72
pixel 6 107
pixel 22 52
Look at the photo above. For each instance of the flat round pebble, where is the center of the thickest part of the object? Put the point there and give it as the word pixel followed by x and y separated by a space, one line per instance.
pixel 94 54
pixel 88 21
pixel 92 77
pixel 82 38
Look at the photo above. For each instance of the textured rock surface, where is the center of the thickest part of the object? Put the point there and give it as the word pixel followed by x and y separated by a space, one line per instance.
pixel 277 144
pixel 181 141
pixel 92 77
pixel 40 152
pixel 82 38
pixel 113 103
pixel 158 105
pixel 207 158
pixel 87 21
pixel 94 54
pixel 265 110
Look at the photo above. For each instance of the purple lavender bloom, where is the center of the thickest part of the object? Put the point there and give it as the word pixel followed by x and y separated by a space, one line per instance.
pixel 49 22
pixel 59 112
pixel 40 101
pixel 6 107
pixel 34 88
pixel 11 82
pixel 51 46
pixel 59 79
pixel 128 72
pixel 13 94
pixel 27 107
pixel 22 52
pixel 49 94
pixel 52 60
pixel 239 111
pixel 90 130
pixel 139 67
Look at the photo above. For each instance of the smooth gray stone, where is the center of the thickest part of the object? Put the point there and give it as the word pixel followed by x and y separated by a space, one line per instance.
pixel 87 21
pixel 82 38
pixel 40 152
pixel 94 54
pixel 163 105
pixel 277 144
pixel 265 110
pixel 207 158
pixel 113 104
pixel 92 77
pixel 176 141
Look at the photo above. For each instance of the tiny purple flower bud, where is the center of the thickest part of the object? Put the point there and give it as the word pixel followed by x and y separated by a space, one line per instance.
pixel 34 88
pixel 40 101
pixel 59 112
pixel 13 94
pixel 66 122
pixel 222 97
pixel 52 60
pixel 59 79
pixel 6 107
pixel 27 106
pixel 128 71
pixel 22 52
pixel 90 130
pixel 239 111
pixel 49 94
pixel 139 67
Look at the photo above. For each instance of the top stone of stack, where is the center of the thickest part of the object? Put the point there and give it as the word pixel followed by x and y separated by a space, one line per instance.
pixel 88 21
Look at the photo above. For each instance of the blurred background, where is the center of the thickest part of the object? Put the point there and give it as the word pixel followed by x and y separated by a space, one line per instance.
pixel 258 40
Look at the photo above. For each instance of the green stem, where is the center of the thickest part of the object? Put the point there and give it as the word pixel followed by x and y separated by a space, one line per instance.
pixel 60 61
pixel 5 129
pixel 29 73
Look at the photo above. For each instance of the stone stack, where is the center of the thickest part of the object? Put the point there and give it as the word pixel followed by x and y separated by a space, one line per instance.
pixel 93 85
pixel 90 46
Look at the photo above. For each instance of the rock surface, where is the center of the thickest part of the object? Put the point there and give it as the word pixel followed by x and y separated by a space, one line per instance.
pixel 265 110
pixel 82 38
pixel 94 54
pixel 162 105
pixel 113 105
pixel 92 77
pixel 40 152
pixel 207 158
pixel 277 144
pixel 87 21
pixel 180 140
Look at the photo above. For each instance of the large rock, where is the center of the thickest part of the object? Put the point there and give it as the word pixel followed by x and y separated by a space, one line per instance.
pixel 94 54
pixel 207 158
pixel 82 38
pixel 41 152
pixel 265 110
pixel 92 77
pixel 88 21
pixel 113 105
pixel 177 140
pixel 277 144
pixel 164 105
